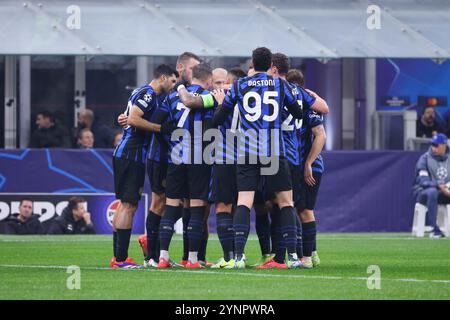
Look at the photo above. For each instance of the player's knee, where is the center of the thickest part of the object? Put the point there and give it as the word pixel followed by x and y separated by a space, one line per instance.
pixel 198 203
pixel 223 207
pixel 307 216
pixel 284 199
pixel 158 205
pixel 244 203
pixel 129 208
pixel 245 198
pixel 173 202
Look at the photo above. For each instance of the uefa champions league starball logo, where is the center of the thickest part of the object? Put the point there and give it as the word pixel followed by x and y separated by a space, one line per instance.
pixel 441 173
pixel 111 210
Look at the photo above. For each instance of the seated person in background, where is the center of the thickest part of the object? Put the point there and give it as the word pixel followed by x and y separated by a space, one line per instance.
pixel 73 220
pixel 24 222
pixel 48 133
pixel 427 125
pixel 117 138
pixel 103 134
pixel 433 180
pixel 85 139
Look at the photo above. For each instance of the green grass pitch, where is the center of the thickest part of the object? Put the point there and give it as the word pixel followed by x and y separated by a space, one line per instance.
pixel 34 267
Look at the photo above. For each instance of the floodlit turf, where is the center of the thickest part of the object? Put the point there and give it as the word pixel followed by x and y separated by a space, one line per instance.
pixel 34 267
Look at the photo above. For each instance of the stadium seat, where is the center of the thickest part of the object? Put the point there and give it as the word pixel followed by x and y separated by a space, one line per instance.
pixel 443 220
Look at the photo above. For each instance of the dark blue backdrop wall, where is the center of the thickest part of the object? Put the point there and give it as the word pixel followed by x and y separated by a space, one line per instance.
pixel 360 191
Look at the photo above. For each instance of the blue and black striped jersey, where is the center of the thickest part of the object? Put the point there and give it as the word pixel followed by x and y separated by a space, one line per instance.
pixel 291 126
pixel 186 147
pixel 226 151
pixel 158 147
pixel 311 119
pixel 134 143
pixel 260 99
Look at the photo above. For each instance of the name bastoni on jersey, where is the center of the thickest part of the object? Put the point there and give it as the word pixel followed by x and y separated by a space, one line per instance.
pixel 262 82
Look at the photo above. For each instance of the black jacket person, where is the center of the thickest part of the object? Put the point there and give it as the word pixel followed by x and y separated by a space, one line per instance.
pixel 73 220
pixel 24 222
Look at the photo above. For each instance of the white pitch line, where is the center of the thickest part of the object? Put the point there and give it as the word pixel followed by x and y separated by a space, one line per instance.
pixel 257 275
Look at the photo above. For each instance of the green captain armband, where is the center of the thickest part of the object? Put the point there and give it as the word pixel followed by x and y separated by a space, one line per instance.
pixel 208 100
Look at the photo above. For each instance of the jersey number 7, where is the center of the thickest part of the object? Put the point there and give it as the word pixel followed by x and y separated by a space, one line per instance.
pixel 184 115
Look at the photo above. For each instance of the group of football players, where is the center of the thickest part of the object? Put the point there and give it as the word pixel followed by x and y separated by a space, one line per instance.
pixel 229 138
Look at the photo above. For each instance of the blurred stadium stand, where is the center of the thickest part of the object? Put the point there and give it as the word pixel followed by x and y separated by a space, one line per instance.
pixel 50 63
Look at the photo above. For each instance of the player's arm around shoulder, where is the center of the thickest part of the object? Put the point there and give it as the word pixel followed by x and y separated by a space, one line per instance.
pixel 319 105
pixel 197 102
pixel 135 119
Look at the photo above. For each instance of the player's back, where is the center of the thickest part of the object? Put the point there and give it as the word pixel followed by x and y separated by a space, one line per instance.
pixel 134 143
pixel 260 99
pixel 192 121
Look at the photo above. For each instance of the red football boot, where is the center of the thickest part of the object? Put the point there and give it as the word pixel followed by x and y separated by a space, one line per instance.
pixel 271 264
pixel 191 265
pixel 184 262
pixel 143 243
pixel 163 264
pixel 129 263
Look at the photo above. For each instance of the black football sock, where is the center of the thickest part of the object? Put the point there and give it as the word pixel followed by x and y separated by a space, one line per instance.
pixel 309 237
pixel 278 243
pixel 315 238
pixel 241 223
pixel 262 225
pixel 115 243
pixel 195 232
pixel 275 234
pixel 171 215
pixel 203 245
pixel 186 217
pixel 152 226
pixel 225 233
pixel 299 236
pixel 289 230
pixel 123 242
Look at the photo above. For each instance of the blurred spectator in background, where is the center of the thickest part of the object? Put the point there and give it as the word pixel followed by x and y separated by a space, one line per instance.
pixel 24 222
pixel 233 75
pixel 117 138
pixel 433 180
pixel 220 79
pixel 73 220
pixel 85 139
pixel 427 125
pixel 103 136
pixel 48 133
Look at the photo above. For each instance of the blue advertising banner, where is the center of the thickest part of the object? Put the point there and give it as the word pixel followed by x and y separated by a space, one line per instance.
pixel 360 190
pixel 413 83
